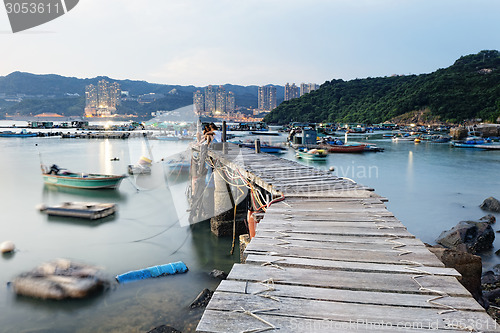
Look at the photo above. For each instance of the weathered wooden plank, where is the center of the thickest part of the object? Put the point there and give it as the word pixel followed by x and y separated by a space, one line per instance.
pixel 383 282
pixel 334 219
pixel 321 188
pixel 349 211
pixel 332 205
pixel 397 232
pixel 327 206
pixel 350 254
pixel 298 202
pixel 347 312
pixel 333 224
pixel 350 296
pixel 397 248
pixel 336 238
pixel 231 322
pixel 348 193
pixel 328 264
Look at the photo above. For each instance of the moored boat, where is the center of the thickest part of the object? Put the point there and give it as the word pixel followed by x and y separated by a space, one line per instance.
pixel 87 210
pixel 265 148
pixel 22 134
pixel 311 154
pixel 59 177
pixel 344 148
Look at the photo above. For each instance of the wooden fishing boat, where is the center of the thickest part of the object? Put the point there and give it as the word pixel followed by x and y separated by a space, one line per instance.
pixel 86 210
pixel 312 154
pixel 345 148
pixel 59 177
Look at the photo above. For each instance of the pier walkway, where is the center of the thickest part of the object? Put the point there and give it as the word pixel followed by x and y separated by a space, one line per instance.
pixel 332 258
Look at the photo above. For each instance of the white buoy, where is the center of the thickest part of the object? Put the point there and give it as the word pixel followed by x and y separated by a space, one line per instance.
pixel 7 247
pixel 332 168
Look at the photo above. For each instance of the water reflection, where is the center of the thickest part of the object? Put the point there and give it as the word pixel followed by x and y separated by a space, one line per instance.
pixel 81 221
pixel 58 192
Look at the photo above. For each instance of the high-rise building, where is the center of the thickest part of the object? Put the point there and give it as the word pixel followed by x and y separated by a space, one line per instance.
pixel 215 101
pixel 306 88
pixel 220 100
pixel 267 98
pixel 209 100
pixel 91 96
pixel 115 94
pixel 231 102
pixel 291 91
pixel 199 103
pixel 102 100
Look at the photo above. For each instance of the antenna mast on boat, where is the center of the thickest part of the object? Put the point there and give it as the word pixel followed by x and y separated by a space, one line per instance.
pixel 147 145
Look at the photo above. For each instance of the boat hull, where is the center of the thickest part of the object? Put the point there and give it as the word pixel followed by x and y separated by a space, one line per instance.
pixel 85 210
pixel 311 157
pixel 17 135
pixel 481 146
pixel 88 182
pixel 346 149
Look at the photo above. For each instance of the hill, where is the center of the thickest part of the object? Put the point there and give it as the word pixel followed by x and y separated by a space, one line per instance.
pixel 468 89
pixel 65 95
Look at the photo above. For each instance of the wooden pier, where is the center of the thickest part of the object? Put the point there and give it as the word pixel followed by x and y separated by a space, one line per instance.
pixel 332 258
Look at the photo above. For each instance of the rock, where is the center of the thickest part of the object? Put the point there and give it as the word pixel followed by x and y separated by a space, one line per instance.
pixel 490 219
pixel 491 204
pixel 202 299
pixel 7 247
pixel 490 278
pixel 218 274
pixel 468 236
pixel 164 329
pixel 496 269
pixel 60 279
pixel 468 265
pixel 492 295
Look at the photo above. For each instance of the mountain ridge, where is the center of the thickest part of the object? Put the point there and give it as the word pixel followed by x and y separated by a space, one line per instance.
pixel 41 92
pixel 468 89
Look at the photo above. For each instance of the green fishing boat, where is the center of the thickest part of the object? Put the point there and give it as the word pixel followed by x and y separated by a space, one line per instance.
pixel 311 154
pixel 60 177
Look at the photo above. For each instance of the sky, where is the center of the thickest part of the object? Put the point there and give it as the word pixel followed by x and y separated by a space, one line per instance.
pixel 251 42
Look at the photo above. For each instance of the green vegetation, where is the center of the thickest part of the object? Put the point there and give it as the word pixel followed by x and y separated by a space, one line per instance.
pixel 468 89
pixel 65 106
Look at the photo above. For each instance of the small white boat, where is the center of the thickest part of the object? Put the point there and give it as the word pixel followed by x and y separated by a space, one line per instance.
pixel 86 210
pixel 142 167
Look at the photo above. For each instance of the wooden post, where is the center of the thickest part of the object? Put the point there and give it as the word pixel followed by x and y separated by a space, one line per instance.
pixel 224 129
pixel 257 146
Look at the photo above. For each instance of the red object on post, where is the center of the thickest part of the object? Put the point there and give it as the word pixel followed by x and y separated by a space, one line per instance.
pixel 251 223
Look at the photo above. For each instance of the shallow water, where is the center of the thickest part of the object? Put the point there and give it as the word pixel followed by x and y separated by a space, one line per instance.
pixel 146 231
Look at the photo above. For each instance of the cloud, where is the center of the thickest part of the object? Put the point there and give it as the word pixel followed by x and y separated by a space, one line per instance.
pixel 221 65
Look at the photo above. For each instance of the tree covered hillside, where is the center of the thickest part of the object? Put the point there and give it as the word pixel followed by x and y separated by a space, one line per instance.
pixel 468 89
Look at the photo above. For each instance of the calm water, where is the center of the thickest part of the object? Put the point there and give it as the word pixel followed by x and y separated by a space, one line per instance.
pixel 430 188
pixel 145 232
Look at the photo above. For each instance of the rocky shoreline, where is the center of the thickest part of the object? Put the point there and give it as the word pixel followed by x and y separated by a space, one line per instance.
pixel 459 248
